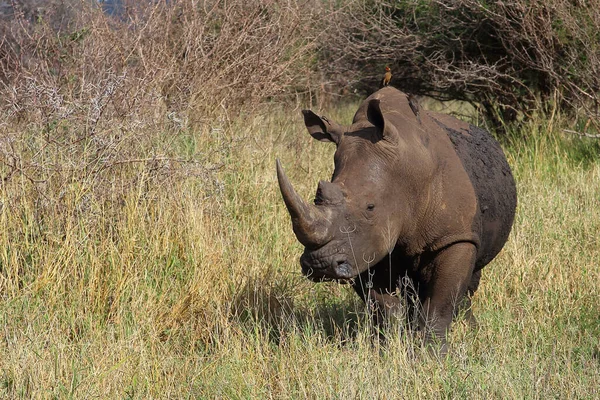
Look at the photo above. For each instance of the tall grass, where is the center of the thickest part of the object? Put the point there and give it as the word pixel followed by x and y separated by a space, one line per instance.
pixel 190 287
pixel 145 251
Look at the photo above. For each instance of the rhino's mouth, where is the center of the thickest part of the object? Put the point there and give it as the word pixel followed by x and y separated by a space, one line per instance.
pixel 318 267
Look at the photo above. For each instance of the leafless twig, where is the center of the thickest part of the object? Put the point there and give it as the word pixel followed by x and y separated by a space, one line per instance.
pixel 597 136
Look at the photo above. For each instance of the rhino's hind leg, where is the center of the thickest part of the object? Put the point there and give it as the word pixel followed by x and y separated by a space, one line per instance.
pixel 452 274
pixel 465 304
pixel 464 310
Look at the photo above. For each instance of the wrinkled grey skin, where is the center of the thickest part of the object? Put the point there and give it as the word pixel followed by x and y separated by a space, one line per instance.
pixel 414 194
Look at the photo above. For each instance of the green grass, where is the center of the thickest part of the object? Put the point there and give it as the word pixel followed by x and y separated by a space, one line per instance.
pixel 190 288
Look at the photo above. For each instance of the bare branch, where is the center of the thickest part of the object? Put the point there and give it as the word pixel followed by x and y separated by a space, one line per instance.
pixel 582 134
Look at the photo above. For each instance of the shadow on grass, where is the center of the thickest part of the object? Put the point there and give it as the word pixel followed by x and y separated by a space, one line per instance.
pixel 273 310
pixel 278 311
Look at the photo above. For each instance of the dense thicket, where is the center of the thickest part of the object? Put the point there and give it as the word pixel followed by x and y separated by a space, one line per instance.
pixel 512 58
pixel 198 59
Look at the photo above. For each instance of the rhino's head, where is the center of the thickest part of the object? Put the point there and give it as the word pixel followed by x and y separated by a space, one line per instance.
pixel 372 201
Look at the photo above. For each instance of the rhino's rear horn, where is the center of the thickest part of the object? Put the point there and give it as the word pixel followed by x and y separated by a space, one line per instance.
pixel 310 225
pixel 329 193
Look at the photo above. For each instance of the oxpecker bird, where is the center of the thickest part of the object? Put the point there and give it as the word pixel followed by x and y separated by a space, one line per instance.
pixel 387 77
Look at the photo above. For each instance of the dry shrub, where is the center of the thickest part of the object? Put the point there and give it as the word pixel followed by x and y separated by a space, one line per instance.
pixel 142 98
pixel 182 56
pixel 513 58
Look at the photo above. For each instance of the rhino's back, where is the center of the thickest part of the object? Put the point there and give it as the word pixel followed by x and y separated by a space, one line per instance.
pixel 491 177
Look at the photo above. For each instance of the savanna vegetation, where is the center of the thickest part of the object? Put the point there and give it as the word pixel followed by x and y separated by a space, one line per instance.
pixel 145 251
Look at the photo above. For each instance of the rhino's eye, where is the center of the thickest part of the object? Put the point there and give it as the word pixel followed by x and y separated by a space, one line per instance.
pixel 370 207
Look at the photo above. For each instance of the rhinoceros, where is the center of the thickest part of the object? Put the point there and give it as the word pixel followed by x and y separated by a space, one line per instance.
pixel 415 196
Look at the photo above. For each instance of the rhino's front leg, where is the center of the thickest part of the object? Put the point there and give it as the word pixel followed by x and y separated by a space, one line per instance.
pixel 382 305
pixel 377 288
pixel 452 269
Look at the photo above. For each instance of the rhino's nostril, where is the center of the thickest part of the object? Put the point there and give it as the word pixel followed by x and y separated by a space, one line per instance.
pixel 343 269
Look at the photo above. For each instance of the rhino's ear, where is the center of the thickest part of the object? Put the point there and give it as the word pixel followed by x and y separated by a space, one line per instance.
pixel 375 116
pixel 322 128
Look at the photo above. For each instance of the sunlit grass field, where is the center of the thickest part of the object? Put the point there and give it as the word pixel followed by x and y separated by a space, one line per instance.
pixel 191 288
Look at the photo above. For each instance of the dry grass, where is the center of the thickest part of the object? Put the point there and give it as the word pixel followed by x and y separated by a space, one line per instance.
pixel 181 290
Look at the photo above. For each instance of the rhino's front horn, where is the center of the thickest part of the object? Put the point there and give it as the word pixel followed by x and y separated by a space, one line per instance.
pixel 310 225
